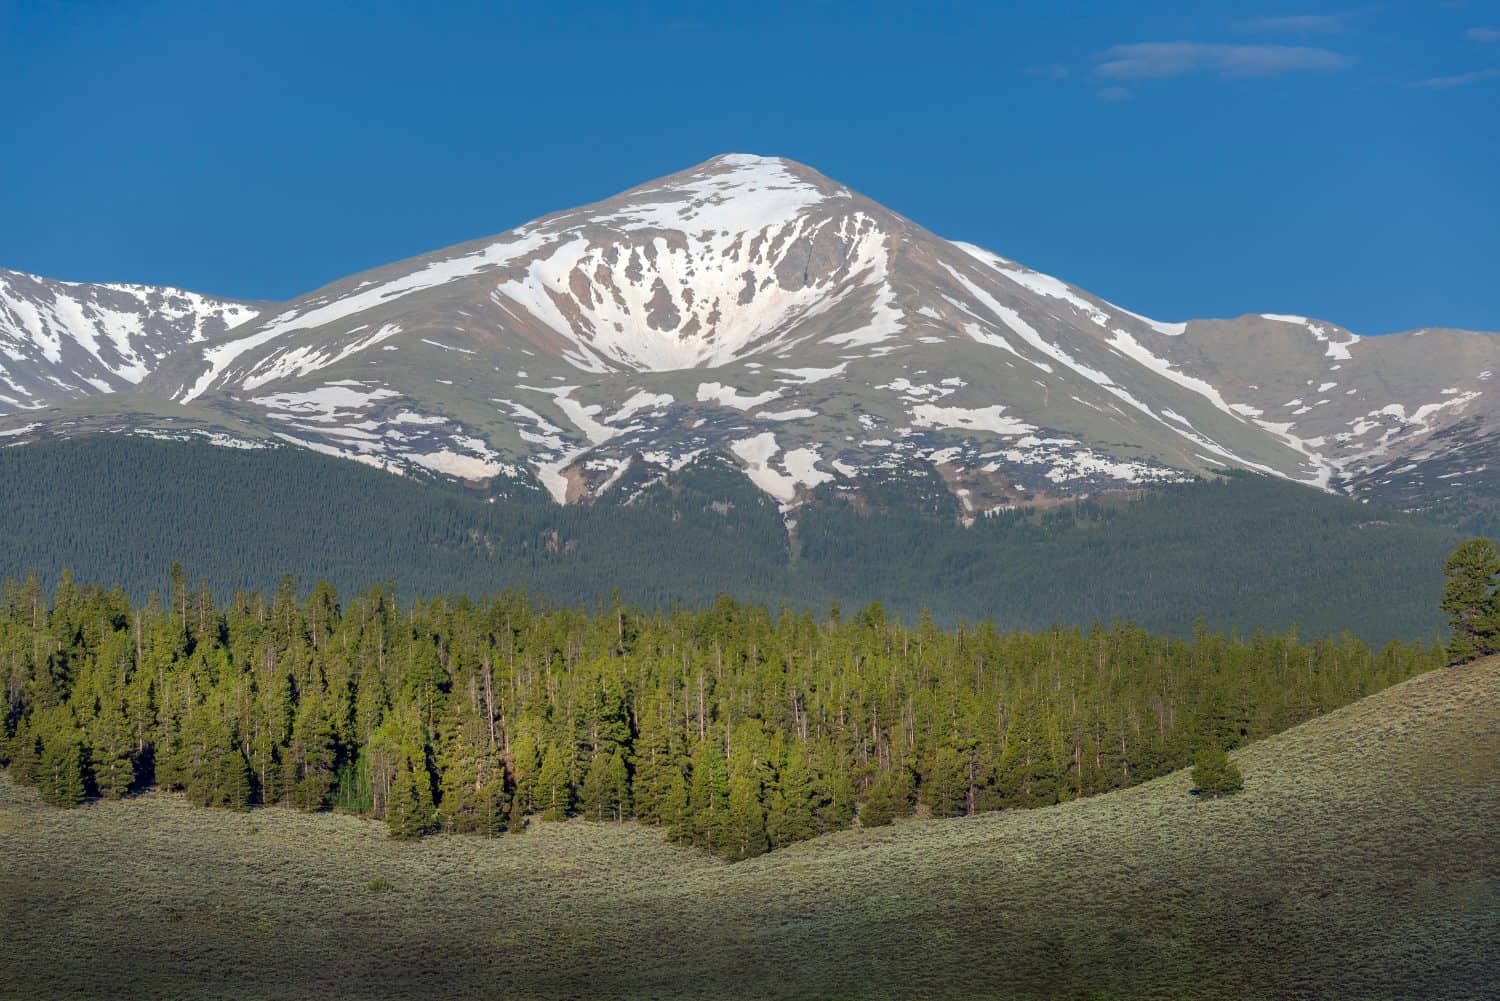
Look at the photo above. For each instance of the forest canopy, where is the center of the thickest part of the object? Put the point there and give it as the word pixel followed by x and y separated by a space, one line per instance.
pixel 1246 552
pixel 737 728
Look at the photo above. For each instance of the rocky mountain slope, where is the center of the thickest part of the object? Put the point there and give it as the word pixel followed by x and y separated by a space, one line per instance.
pixel 63 340
pixel 753 308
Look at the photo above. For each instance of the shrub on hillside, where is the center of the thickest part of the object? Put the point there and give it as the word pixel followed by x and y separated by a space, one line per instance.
pixel 1214 775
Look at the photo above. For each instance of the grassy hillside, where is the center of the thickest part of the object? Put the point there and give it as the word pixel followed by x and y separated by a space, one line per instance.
pixel 1247 553
pixel 1360 861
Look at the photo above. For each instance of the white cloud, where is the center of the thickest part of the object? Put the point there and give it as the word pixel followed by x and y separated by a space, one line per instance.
pixel 1483 34
pixel 1114 95
pixel 1162 60
pixel 1457 80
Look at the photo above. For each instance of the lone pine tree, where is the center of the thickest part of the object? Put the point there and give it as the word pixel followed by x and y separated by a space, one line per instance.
pixel 1471 597
pixel 1214 775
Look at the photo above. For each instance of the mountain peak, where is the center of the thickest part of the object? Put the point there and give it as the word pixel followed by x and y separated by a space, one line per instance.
pixel 730 193
pixel 744 159
pixel 751 307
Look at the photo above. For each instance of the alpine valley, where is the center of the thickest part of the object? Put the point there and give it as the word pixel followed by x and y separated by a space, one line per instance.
pixel 751 314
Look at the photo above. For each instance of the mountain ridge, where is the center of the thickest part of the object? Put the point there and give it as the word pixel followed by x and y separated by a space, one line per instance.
pixel 752 307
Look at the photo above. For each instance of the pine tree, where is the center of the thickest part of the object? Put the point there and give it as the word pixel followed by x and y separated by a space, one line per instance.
pixel 793 803
pixel 25 752
pixel 749 772
pixel 410 813
pixel 554 786
pixel 836 797
pixel 744 831
pixel 1471 597
pixel 526 767
pixel 889 797
pixel 472 777
pixel 708 799
pixel 491 808
pixel 310 761
pixel 945 785
pixel 168 753
pixel 1214 775
pixel 60 772
pixel 654 767
pixel 673 810
pixel 606 788
pixel 736 729
pixel 112 752
pixel 214 771
pixel 264 762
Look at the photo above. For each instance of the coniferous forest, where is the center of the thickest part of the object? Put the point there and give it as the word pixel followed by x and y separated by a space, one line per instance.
pixel 1245 553
pixel 737 728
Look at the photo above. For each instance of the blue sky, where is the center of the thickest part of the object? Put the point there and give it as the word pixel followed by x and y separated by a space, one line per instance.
pixel 1181 159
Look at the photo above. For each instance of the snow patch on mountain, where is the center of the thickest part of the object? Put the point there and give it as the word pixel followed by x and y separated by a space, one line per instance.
pixel 990 419
pixel 799 467
pixel 1337 349
pixel 327 403
pixel 728 396
pixel 317 314
pixel 303 360
pixel 641 401
pixel 696 298
pixel 744 193
pixel 807 375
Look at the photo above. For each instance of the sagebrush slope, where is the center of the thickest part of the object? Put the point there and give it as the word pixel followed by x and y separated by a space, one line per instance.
pixel 1358 862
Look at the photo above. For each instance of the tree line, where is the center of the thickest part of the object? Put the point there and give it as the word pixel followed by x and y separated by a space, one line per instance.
pixel 735 727
pixel 1248 552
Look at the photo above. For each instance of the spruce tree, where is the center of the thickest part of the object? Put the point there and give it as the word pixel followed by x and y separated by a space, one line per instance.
pixel 265 696
pixel 25 753
pixel 945 784
pixel 654 767
pixel 554 786
pixel 410 813
pixel 793 802
pixel 744 830
pixel 526 767
pixel 1471 597
pixel 60 773
pixel 311 759
pixel 888 798
pixel 708 798
pixel 673 811
pixel 474 798
pixel 214 771
pixel 616 787
pixel 112 752
pixel 1214 775
pixel 836 797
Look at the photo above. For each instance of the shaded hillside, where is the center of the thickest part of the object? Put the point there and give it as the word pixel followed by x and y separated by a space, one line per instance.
pixel 1247 553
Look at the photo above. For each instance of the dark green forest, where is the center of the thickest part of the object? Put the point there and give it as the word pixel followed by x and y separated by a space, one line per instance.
pixel 1244 553
pixel 736 728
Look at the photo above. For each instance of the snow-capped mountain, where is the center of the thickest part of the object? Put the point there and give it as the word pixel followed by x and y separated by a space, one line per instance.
pixel 752 308
pixel 63 340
